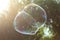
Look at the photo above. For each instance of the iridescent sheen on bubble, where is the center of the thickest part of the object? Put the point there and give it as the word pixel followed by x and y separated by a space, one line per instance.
pixel 30 19
pixel 37 12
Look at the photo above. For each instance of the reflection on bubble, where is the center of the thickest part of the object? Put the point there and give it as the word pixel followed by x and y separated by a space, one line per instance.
pixel 36 12
pixel 29 20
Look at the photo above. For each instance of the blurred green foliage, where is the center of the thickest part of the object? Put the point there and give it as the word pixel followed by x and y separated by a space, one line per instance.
pixel 52 8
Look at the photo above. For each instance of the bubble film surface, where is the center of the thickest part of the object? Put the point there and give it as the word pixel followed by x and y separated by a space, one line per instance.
pixel 30 19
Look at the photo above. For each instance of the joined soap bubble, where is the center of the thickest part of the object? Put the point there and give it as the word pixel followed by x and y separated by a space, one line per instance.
pixel 30 19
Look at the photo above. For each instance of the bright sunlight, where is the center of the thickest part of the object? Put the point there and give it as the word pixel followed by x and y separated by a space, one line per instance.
pixel 4 5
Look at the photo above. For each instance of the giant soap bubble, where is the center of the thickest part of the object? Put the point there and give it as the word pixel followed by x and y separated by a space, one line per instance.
pixel 30 19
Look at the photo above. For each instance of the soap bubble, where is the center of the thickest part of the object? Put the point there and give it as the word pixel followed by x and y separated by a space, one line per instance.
pixel 30 19
pixel 37 12
pixel 25 23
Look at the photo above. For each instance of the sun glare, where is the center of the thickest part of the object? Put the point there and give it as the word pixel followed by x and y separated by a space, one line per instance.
pixel 4 5
pixel 19 1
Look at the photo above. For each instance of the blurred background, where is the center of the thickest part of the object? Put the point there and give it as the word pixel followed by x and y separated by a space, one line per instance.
pixel 9 9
